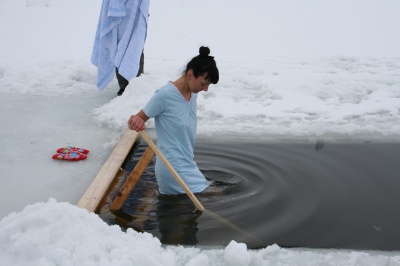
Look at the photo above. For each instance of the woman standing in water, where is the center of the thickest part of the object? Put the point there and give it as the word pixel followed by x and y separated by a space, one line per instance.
pixel 174 110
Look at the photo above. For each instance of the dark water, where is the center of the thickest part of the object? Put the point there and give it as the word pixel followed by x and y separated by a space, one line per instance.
pixel 295 195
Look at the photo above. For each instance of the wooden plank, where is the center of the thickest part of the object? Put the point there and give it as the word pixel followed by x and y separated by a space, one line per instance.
pixel 113 189
pixel 132 179
pixel 99 186
pixel 172 170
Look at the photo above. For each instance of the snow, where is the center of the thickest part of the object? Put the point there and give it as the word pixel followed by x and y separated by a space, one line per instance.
pixel 289 69
pixel 32 237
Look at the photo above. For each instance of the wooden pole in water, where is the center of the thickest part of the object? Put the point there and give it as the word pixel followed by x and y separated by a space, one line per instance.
pixel 172 171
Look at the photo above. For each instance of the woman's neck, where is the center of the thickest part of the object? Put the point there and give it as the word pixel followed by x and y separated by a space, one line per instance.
pixel 183 87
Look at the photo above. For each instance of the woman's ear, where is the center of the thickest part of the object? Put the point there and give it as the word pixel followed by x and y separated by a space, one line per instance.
pixel 189 74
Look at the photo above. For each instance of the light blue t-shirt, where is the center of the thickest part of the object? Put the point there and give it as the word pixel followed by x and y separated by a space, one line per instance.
pixel 176 125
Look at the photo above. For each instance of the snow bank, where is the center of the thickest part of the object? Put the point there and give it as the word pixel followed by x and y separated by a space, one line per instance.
pixel 57 233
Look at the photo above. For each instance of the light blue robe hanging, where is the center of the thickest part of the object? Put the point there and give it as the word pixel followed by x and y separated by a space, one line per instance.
pixel 120 37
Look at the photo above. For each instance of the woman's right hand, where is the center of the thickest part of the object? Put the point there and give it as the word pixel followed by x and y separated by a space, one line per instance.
pixel 136 123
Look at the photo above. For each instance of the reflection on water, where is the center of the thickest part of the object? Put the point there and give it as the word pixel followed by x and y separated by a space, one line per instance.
pixel 319 195
pixel 179 212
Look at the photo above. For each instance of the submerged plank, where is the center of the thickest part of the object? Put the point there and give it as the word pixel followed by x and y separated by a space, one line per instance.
pixel 112 191
pixel 132 179
pixel 99 186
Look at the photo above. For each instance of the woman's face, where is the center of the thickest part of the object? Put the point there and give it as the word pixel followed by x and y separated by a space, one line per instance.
pixel 198 84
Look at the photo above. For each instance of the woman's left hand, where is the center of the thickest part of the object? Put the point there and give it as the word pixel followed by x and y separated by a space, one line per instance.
pixel 136 123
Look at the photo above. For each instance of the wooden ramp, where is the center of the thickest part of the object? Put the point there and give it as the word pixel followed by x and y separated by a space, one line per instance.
pixel 111 170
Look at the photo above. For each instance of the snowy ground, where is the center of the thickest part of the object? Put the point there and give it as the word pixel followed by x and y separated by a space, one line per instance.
pixel 289 69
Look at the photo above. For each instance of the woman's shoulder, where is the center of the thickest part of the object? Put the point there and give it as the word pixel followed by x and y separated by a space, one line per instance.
pixel 168 86
pixel 168 89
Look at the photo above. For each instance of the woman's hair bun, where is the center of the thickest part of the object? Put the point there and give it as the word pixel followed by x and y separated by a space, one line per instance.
pixel 204 51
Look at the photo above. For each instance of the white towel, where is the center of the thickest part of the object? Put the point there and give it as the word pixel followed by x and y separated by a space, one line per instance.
pixel 120 37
